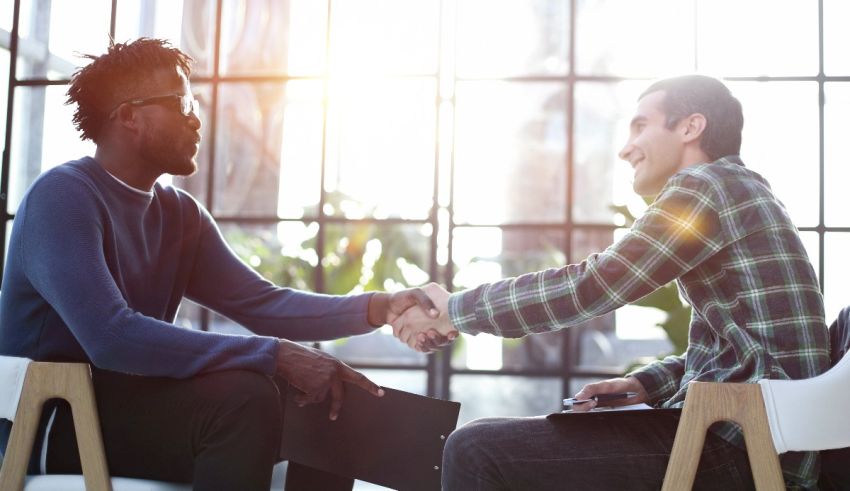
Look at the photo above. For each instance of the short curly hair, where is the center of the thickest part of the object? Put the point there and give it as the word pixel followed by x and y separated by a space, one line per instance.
pixel 120 73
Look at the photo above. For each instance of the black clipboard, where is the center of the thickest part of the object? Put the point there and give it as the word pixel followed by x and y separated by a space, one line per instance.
pixel 394 441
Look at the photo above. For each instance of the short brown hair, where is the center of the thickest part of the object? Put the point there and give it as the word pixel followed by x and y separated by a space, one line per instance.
pixel 708 96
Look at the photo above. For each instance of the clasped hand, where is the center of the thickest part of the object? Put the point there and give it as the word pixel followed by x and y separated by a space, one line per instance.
pixel 423 331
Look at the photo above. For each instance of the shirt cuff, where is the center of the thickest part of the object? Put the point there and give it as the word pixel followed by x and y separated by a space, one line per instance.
pixel 462 312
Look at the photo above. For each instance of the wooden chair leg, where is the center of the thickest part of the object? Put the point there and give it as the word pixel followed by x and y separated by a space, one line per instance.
pixel 69 381
pixel 708 403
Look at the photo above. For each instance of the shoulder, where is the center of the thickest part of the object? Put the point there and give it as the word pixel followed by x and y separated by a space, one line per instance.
pixel 726 182
pixel 69 182
pixel 179 200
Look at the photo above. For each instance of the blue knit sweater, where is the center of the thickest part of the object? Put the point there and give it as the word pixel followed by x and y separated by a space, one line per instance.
pixel 96 271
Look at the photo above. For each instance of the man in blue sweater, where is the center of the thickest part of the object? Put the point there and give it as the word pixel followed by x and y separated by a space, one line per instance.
pixel 101 256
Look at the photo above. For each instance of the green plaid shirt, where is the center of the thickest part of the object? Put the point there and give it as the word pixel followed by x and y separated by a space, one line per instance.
pixel 721 233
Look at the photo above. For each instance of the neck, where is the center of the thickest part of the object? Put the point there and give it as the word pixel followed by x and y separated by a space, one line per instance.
pixel 130 169
pixel 693 156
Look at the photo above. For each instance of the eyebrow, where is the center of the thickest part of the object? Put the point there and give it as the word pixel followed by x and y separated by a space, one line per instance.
pixel 637 119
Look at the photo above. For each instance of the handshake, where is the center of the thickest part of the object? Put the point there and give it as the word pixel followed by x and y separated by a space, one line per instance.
pixel 420 317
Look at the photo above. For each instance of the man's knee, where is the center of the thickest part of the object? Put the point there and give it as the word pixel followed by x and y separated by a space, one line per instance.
pixel 468 443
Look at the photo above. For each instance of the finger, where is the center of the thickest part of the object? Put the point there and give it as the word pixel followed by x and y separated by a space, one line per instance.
pixel 337 396
pixel 424 301
pixel 348 374
pixel 405 334
pixel 584 407
pixel 397 326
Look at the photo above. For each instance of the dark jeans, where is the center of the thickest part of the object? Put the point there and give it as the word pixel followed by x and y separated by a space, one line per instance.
pixel 602 451
pixel 219 431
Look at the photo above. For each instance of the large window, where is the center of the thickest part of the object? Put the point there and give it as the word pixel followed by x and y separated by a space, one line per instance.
pixel 353 145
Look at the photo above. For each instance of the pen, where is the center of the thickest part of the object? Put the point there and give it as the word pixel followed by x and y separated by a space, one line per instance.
pixel 601 398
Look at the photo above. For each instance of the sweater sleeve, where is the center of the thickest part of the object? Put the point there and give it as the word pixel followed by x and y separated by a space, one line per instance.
pixel 63 257
pixel 223 282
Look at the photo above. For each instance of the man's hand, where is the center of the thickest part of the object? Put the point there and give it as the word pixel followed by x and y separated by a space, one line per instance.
pixel 387 308
pixel 427 333
pixel 315 373
pixel 611 386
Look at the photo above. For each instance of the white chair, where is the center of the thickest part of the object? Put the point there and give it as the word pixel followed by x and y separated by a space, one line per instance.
pixel 777 416
pixel 24 387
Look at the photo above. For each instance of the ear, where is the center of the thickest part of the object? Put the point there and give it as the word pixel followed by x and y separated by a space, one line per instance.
pixel 692 127
pixel 127 118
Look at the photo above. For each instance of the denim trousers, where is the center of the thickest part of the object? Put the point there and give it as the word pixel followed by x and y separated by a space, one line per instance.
pixel 613 450
pixel 218 431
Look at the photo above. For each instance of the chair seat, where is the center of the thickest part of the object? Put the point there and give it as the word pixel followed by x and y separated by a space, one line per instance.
pixel 62 482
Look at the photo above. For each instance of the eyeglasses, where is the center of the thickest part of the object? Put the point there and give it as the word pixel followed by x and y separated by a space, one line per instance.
pixel 187 102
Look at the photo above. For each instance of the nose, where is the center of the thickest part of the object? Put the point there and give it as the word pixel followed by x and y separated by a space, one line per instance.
pixel 194 121
pixel 626 151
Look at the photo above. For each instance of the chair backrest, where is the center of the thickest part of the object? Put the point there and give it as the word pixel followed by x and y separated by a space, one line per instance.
pixel 810 414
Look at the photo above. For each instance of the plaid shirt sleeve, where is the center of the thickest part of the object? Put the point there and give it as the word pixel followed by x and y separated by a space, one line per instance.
pixel 678 231
pixel 661 379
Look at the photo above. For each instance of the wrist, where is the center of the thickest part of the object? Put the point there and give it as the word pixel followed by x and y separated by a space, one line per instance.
pixel 376 312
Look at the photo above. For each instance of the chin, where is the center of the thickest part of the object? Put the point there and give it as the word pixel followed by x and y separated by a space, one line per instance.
pixel 184 169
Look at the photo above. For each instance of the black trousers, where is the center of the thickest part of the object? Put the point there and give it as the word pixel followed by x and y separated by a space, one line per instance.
pixel 218 431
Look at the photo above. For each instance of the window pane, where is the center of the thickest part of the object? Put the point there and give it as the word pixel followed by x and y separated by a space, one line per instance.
pixel 486 254
pixel 511 166
pixel 284 254
pixel 626 38
pixel 188 24
pixel 188 315
pixel 537 42
pixel 785 150
pixel 381 147
pixel 248 148
pixel 590 241
pixel 602 179
pixel 484 396
pixel 366 256
pixel 273 37
pixel 414 381
pixel 49 41
pixel 43 137
pixel 836 273
pixel 152 18
pixel 301 154
pixel 379 347
pixel 836 162
pixel 781 37
pixel 6 11
pixel 384 37
pixel 836 37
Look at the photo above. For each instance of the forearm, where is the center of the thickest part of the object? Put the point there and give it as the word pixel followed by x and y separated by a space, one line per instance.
pixel 222 282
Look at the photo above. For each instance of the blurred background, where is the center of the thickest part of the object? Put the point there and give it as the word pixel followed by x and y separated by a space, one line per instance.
pixel 355 145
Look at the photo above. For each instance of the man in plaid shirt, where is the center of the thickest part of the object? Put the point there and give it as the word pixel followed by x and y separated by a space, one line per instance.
pixel 718 230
